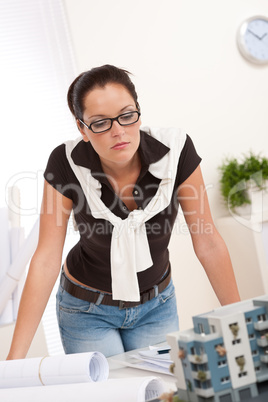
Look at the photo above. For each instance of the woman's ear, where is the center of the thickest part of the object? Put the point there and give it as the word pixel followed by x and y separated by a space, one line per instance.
pixel 81 129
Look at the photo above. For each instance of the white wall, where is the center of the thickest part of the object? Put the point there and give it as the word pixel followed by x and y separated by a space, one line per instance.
pixel 188 73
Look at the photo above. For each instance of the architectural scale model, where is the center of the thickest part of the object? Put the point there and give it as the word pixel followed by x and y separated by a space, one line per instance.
pixel 224 358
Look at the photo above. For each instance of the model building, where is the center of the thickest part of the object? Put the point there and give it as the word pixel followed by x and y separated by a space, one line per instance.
pixel 224 357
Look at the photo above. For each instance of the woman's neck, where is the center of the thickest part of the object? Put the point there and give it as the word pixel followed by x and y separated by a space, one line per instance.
pixel 120 170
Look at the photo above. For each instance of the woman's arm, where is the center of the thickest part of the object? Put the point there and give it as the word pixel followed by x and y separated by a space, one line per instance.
pixel 209 246
pixel 43 271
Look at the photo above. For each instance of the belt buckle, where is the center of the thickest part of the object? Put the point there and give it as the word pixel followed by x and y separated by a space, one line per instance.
pixel 122 305
pixel 125 304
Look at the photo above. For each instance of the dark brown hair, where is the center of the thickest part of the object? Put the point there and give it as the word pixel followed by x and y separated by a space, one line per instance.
pixel 97 77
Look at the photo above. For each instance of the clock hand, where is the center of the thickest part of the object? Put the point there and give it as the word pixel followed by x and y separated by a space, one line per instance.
pixel 263 36
pixel 254 34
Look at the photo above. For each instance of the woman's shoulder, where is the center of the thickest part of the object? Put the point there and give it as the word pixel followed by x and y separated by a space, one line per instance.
pixel 58 166
pixel 58 152
pixel 57 158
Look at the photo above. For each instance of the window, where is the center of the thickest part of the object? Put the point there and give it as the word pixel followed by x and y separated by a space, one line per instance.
pixel 201 328
pixel 220 349
pixel 218 345
pixel 193 367
pixel 234 342
pixel 245 394
pixel 243 374
pixel 254 352
pixel 37 66
pixel 248 320
pixel 251 336
pixel 222 363
pixel 213 329
pixel 203 367
pixel 226 398
pixel 262 317
pixel 224 380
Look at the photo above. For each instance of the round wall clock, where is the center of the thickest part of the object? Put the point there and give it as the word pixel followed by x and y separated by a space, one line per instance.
pixel 252 39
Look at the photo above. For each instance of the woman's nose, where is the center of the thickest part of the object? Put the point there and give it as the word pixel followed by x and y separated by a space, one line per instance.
pixel 116 129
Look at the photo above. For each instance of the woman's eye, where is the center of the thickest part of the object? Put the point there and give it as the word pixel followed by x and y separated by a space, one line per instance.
pixel 100 124
pixel 127 116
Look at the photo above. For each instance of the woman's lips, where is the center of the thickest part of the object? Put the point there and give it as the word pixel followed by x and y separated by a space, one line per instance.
pixel 120 145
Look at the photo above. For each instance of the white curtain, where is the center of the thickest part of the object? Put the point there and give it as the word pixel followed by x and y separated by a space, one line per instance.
pixel 37 66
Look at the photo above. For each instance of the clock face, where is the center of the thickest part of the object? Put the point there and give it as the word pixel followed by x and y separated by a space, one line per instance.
pixel 253 39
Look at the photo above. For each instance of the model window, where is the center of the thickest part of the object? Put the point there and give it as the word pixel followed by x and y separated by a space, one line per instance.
pixel 234 342
pixel 213 329
pixel 226 398
pixel 193 367
pixel 262 317
pixel 245 394
pixel 197 384
pixel 224 380
pixel 201 328
pixel 220 349
pixel 218 345
pixel 248 320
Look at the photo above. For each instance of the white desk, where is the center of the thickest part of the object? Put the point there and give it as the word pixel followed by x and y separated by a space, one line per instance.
pixel 119 371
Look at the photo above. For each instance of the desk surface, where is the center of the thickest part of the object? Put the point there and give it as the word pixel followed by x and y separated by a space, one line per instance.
pixel 119 371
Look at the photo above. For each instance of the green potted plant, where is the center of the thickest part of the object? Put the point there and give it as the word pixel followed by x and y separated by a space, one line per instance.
pixel 239 176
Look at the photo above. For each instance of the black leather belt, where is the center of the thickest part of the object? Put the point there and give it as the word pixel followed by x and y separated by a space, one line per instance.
pixel 90 296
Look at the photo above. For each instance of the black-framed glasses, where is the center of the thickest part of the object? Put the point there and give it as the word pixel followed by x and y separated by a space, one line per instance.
pixel 125 119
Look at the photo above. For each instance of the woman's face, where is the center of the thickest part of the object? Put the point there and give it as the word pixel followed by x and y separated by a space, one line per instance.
pixel 118 145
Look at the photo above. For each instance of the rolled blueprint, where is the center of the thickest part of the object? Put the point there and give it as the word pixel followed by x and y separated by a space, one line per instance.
pixel 16 269
pixel 140 389
pixel 51 370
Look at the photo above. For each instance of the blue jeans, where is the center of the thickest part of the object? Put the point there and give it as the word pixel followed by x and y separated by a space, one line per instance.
pixel 86 327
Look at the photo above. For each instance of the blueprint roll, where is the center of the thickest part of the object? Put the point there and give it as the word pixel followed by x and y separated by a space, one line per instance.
pixel 60 369
pixel 140 389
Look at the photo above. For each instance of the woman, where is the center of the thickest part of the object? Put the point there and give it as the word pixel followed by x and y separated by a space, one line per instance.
pixel 124 185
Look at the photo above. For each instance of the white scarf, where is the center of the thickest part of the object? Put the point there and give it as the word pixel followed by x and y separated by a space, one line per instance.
pixel 130 252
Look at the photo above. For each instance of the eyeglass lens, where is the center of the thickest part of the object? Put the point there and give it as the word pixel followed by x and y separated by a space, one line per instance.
pixel 124 120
